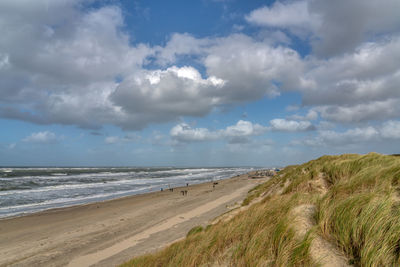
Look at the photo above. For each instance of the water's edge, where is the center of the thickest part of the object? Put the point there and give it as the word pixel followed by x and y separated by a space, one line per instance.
pixel 25 191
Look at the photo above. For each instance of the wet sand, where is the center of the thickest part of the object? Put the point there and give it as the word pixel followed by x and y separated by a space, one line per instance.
pixel 112 232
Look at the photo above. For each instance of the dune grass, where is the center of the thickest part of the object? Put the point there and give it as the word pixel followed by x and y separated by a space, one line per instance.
pixel 358 212
pixel 241 241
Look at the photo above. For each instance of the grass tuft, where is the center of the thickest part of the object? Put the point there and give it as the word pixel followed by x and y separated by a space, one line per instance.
pixel 357 200
pixel 195 230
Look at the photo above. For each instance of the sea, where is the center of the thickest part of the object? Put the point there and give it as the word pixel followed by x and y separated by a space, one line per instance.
pixel 29 190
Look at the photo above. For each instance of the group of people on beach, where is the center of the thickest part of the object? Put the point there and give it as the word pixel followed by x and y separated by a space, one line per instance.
pixel 171 189
pixel 184 192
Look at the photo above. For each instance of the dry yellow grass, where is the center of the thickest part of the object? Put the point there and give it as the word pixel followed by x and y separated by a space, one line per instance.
pixel 357 211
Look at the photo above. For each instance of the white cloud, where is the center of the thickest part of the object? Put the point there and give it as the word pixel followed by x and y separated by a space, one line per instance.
pixel 274 37
pixel 238 28
pixel 244 128
pixel 74 74
pixel 332 138
pixel 11 146
pixel 255 68
pixel 352 135
pixel 157 138
pixel 181 44
pixel 184 133
pixel 310 116
pixel 164 95
pixel 112 139
pixel 238 133
pixel 376 110
pixel 371 73
pixel 234 134
pixel 291 125
pixel 45 137
pixel 72 67
pixel 391 130
pixel 159 96
pixel 125 139
pixel 293 15
pixel 357 87
pixel 86 72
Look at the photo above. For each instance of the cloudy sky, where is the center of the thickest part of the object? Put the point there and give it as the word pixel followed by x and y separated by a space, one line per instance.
pixel 197 83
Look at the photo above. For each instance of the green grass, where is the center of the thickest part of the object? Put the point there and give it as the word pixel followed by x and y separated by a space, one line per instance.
pixel 360 214
pixel 195 230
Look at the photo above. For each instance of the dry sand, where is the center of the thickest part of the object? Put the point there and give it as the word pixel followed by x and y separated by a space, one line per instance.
pixel 111 232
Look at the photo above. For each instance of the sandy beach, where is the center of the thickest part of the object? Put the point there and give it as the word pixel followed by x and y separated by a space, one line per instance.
pixel 111 232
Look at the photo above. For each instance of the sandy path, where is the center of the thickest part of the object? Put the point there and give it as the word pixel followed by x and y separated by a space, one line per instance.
pixel 321 251
pixel 111 232
pixel 93 258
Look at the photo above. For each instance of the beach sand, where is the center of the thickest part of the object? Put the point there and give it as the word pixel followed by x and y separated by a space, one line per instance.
pixel 112 232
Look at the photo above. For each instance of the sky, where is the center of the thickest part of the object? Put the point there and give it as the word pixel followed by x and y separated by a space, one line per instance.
pixel 197 83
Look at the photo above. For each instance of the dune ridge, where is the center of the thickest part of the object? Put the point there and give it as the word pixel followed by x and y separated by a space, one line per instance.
pixel 332 211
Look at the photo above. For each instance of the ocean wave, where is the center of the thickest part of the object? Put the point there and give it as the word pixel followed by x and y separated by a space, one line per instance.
pixel 57 187
pixel 63 202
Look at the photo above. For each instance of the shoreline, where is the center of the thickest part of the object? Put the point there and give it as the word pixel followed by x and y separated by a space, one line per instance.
pixel 150 191
pixel 77 206
pixel 58 236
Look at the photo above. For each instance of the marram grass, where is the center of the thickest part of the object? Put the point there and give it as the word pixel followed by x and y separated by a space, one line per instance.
pixel 358 212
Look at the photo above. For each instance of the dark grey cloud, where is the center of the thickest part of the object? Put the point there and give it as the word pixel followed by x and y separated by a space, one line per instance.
pixel 334 27
pixel 346 24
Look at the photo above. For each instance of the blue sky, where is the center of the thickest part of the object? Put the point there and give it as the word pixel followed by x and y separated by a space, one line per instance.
pixel 197 83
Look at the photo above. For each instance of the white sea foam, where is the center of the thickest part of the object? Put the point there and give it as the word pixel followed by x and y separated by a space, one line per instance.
pixel 50 188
